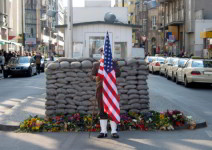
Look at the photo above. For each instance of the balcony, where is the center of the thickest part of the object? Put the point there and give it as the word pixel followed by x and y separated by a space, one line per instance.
pixel 163 1
pixel 3 20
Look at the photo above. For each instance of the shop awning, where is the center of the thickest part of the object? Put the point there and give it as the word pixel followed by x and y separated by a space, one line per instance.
pixel 207 34
pixel 3 42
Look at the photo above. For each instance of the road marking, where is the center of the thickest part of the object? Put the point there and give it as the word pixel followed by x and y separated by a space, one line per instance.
pixel 209 133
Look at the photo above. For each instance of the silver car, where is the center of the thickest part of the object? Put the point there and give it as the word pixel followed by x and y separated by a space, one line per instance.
pixel 195 71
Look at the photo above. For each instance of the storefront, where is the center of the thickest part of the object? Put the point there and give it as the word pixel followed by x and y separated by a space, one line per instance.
pixel 207 42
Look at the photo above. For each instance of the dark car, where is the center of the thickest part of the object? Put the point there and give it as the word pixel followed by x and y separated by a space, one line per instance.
pixel 23 65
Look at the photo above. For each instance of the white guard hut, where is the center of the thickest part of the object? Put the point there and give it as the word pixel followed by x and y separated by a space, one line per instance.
pixel 89 30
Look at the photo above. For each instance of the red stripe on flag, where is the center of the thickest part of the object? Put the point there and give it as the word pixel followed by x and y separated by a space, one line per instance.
pixel 111 102
pixel 111 114
pixel 113 93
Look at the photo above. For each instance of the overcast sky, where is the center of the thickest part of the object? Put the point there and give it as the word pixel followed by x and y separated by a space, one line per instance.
pixel 80 3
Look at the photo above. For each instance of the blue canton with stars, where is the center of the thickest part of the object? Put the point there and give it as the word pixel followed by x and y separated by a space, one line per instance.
pixel 108 63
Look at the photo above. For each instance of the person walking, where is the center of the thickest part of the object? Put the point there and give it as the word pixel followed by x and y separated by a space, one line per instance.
pixel 38 61
pixel 2 62
pixel 99 96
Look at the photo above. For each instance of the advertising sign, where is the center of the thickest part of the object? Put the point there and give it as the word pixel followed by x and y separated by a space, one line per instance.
pixel 30 41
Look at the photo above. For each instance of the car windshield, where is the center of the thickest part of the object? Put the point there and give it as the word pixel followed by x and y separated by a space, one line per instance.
pixel 150 59
pixel 160 59
pixel 207 64
pixel 21 60
pixel 182 62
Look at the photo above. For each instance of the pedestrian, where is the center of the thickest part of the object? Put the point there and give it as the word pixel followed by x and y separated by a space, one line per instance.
pixel 38 61
pixel 2 61
pixel 99 92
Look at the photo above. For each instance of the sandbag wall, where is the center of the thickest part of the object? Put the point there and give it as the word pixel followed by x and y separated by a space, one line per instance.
pixel 70 87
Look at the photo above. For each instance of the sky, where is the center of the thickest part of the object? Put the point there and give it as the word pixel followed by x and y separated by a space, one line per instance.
pixel 80 3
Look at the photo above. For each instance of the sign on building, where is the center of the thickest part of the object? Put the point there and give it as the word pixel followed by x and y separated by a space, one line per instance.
pixel 30 41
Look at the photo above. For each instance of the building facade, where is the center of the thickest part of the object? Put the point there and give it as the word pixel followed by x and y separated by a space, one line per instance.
pixel 131 5
pixel 183 21
pixel 11 25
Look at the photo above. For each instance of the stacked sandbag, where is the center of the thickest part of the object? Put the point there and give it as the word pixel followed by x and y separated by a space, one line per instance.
pixel 70 87
pixel 132 86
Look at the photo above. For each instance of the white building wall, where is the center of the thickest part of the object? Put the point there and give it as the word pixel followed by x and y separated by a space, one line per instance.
pixel 89 14
pixel 200 25
pixel 97 3
pixel 117 34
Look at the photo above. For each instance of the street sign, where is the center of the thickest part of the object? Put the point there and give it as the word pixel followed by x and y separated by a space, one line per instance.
pixel 30 41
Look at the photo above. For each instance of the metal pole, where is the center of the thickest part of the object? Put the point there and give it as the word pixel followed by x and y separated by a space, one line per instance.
pixel 23 34
pixel 184 19
pixel 69 32
pixel 122 3
pixel 164 33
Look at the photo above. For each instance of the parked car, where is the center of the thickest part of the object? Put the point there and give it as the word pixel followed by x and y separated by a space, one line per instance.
pixel 23 65
pixel 195 71
pixel 149 59
pixel 172 68
pixel 155 65
pixel 168 62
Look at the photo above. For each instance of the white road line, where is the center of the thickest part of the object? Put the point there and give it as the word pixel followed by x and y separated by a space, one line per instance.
pixel 209 133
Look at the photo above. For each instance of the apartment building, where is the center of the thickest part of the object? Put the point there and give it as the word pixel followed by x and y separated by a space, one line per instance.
pixel 60 20
pixel 52 14
pixel 10 25
pixel 131 5
pixel 182 24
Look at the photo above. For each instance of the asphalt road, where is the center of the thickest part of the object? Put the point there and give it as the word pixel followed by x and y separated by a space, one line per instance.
pixel 21 87
pixel 164 94
pixel 197 100
pixel 14 90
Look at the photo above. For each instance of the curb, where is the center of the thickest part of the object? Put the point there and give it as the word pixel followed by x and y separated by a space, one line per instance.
pixel 8 127
pixel 201 125
pixel 14 128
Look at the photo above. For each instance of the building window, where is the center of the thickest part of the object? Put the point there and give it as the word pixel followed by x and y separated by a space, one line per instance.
pixel 77 49
pixel 120 50
pixel 95 42
pixel 153 21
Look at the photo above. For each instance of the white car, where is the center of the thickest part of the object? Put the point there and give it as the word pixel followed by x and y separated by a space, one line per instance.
pixel 167 63
pixel 156 64
pixel 149 59
pixel 195 71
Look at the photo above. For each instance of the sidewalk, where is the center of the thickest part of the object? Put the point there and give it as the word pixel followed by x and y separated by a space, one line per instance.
pixel 35 105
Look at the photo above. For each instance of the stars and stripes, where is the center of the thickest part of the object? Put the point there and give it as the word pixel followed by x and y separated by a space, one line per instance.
pixel 110 93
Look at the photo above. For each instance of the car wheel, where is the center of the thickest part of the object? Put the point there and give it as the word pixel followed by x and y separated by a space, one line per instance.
pixel 30 72
pixel 5 75
pixel 153 71
pixel 186 84
pixel 160 73
pixel 173 78
pixel 167 75
pixel 177 81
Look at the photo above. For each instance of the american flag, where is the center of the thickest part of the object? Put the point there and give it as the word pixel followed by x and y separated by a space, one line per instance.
pixel 110 93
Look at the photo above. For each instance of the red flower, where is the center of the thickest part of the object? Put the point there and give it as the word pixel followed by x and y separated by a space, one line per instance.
pixel 178 123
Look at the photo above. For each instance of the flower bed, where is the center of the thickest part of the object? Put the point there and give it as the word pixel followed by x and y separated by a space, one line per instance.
pixel 151 120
